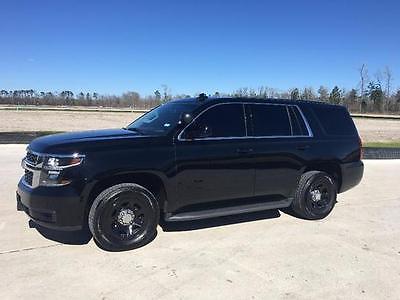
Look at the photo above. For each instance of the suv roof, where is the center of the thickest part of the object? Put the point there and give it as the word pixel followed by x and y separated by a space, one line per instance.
pixel 322 117
pixel 209 100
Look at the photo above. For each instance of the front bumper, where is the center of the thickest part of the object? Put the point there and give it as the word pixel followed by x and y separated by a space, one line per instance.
pixel 352 174
pixel 59 207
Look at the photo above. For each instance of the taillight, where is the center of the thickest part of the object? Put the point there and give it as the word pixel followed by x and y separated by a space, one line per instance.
pixel 361 148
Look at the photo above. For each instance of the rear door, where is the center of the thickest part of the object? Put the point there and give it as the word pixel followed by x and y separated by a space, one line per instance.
pixel 280 143
pixel 213 158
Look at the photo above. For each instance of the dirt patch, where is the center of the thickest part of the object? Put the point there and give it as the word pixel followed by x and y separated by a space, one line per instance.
pixel 378 130
pixel 63 121
pixel 371 130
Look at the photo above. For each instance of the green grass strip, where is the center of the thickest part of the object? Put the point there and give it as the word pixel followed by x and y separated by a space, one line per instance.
pixel 391 144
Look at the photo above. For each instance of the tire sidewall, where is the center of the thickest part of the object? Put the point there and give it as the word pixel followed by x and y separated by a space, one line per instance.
pixel 100 204
pixel 302 208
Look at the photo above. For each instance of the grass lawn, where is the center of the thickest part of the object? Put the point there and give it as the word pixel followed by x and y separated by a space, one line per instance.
pixel 391 144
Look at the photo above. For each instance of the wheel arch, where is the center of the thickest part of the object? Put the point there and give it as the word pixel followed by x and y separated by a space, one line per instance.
pixel 149 180
pixel 332 168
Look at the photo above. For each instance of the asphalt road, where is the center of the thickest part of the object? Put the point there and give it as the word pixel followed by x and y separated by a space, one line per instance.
pixel 353 254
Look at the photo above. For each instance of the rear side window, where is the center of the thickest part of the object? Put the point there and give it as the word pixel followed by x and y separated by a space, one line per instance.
pixel 270 120
pixel 299 128
pixel 225 120
pixel 335 120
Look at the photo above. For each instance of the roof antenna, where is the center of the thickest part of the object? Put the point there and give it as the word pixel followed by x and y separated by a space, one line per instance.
pixel 202 97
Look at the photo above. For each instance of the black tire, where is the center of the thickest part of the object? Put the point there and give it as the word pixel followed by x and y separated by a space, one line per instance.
pixel 315 196
pixel 124 217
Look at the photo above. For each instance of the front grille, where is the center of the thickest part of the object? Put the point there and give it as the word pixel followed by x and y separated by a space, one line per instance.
pixel 33 159
pixel 28 177
pixel 32 163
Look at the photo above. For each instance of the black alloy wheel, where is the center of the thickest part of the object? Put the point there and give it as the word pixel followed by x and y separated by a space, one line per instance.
pixel 124 217
pixel 315 196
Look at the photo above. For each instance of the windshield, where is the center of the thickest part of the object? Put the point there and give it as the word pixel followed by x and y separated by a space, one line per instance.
pixel 162 119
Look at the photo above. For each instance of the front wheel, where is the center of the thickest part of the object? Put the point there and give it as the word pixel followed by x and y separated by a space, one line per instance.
pixel 124 217
pixel 315 195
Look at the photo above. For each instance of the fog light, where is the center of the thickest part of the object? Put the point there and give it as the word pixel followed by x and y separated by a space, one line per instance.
pixel 52 177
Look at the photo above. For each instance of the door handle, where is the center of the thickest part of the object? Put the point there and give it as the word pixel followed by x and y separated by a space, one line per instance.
pixel 303 147
pixel 244 151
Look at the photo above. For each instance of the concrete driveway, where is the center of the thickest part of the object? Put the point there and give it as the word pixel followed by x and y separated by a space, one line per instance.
pixel 353 254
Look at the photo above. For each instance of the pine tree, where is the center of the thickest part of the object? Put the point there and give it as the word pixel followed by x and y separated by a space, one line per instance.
pixel 335 96
pixel 376 95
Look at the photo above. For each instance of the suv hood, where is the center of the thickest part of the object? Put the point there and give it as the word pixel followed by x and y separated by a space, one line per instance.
pixel 74 141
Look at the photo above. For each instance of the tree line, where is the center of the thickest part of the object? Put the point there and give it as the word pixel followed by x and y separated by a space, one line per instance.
pixel 371 96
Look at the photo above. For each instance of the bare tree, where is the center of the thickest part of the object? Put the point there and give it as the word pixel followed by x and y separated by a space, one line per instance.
pixel 294 94
pixel 378 76
pixel 308 94
pixel 363 79
pixel 166 93
pixel 323 93
pixel 388 77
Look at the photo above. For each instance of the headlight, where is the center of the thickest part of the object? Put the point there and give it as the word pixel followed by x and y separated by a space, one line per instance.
pixel 62 162
pixel 54 173
pixel 50 169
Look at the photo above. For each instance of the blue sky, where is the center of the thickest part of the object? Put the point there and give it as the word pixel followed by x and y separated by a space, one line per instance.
pixel 193 46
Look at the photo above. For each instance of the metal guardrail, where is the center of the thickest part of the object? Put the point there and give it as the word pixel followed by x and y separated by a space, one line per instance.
pixel 371 116
pixel 22 137
pixel 381 153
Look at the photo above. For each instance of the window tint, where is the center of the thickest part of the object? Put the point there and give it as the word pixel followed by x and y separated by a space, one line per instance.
pixel 270 120
pixel 161 119
pixel 335 120
pixel 225 120
pixel 298 126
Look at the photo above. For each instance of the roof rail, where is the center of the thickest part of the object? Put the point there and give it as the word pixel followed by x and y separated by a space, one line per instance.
pixel 202 97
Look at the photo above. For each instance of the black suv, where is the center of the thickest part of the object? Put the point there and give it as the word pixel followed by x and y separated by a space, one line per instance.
pixel 192 159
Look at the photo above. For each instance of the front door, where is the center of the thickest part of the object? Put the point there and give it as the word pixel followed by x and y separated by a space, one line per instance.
pixel 213 158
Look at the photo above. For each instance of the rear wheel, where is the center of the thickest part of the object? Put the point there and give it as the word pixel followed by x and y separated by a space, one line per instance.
pixel 315 195
pixel 123 217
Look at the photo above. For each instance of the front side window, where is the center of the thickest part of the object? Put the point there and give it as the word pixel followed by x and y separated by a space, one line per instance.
pixel 220 121
pixel 270 120
pixel 162 119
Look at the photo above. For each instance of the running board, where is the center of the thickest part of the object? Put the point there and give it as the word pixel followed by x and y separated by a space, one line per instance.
pixel 226 211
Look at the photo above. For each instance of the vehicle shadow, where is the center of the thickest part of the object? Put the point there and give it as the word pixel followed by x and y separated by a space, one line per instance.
pixel 84 236
pixel 80 237
pixel 220 221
